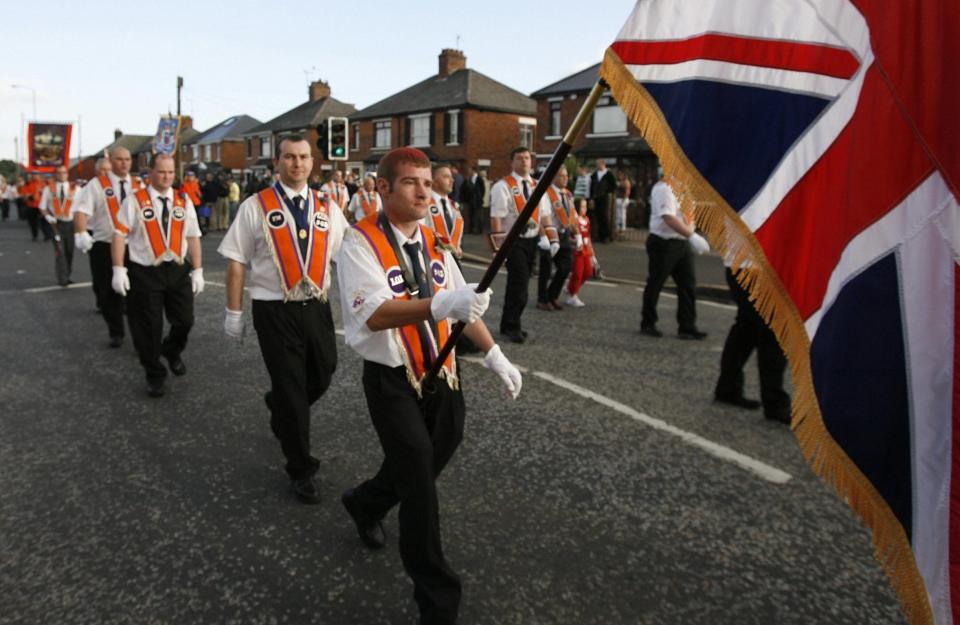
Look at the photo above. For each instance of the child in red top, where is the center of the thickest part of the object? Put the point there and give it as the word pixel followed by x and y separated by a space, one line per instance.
pixel 582 257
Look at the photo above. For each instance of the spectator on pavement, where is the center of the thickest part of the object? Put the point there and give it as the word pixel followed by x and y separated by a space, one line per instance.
pixel 233 197
pixel 582 256
pixel 622 201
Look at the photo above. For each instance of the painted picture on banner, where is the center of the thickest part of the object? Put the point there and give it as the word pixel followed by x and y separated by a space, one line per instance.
pixel 168 131
pixel 49 146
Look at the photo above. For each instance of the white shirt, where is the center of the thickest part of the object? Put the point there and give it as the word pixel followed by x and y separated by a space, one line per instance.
pixel 46 200
pixel 663 202
pixel 335 192
pixel 245 242
pixel 93 203
pixel 451 207
pixel 138 242
pixel 364 288
pixel 503 206
pixel 356 203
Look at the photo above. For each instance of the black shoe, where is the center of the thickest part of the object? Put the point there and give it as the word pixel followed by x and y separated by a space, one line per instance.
pixel 524 334
pixel 779 417
pixel 116 341
pixel 738 401
pixel 268 400
pixel 306 490
pixel 371 533
pixel 544 306
pixel 691 335
pixel 156 389
pixel 514 337
pixel 651 331
pixel 176 366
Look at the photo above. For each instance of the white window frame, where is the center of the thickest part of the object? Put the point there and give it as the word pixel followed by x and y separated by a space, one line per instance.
pixel 453 117
pixel 558 102
pixel 356 137
pixel 377 130
pixel 413 120
pixel 195 152
pixel 266 149
pixel 606 105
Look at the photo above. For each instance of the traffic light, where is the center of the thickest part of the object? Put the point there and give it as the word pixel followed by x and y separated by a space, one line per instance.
pixel 338 143
pixel 322 138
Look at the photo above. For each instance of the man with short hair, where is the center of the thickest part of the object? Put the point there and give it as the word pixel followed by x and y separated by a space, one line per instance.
pixel 365 201
pixel 602 185
pixel 31 192
pixel 507 199
pixel 160 229
pixel 103 166
pixel 57 208
pixel 400 294
pixel 564 217
pixel 335 190
pixel 445 218
pixel 97 208
pixel 285 235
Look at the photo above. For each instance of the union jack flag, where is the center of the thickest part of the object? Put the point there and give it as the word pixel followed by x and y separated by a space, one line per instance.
pixel 819 141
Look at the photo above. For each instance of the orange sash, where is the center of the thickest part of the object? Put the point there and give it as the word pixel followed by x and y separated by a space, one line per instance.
pixel 521 202
pixel 448 240
pixel 408 336
pixel 369 206
pixel 298 276
pixel 330 189
pixel 113 202
pixel 556 201
pixel 175 242
pixel 61 211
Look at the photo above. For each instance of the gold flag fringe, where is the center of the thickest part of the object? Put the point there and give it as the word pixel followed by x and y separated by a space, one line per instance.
pixel 732 239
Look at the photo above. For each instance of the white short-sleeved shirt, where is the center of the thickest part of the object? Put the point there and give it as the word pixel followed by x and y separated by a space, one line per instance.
pixel 69 193
pixel 138 242
pixel 663 202
pixel 364 288
pixel 92 202
pixel 356 203
pixel 245 242
pixel 503 206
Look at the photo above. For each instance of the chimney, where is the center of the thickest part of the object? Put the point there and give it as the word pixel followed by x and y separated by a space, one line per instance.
pixel 451 61
pixel 318 90
pixel 117 133
pixel 185 122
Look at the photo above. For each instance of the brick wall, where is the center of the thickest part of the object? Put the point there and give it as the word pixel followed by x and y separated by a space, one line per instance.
pixel 233 154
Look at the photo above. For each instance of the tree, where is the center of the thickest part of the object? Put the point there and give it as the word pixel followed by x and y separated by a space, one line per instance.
pixel 8 169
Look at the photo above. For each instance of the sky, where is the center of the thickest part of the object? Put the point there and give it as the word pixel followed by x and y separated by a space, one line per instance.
pixel 109 65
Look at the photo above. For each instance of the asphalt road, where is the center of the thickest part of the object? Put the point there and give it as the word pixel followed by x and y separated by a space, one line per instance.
pixel 613 491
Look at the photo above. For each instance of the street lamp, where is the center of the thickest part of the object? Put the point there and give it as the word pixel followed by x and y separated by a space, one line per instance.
pixel 33 93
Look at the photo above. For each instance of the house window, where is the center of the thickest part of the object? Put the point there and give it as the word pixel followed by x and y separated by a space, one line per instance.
pixel 196 151
pixel 264 147
pixel 206 153
pixel 526 135
pixel 356 137
pixel 453 127
pixel 420 131
pixel 382 134
pixel 608 117
pixel 555 129
pixel 249 148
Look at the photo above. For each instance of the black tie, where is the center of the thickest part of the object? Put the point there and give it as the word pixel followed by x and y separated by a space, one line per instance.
pixel 123 191
pixel 301 224
pixel 446 216
pixel 61 195
pixel 526 191
pixel 165 214
pixel 412 248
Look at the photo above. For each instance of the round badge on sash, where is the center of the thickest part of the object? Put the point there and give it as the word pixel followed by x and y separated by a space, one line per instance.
pixel 320 221
pixel 434 209
pixel 439 273
pixel 516 190
pixel 178 213
pixel 531 225
pixel 108 192
pixel 148 214
pixel 395 280
pixel 276 219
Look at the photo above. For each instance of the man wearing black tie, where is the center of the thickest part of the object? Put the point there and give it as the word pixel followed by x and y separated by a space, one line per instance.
pixel 507 198
pixel 602 185
pixel 160 228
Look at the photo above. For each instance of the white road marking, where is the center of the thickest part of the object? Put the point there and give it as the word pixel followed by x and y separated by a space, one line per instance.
pixel 705 302
pixel 57 287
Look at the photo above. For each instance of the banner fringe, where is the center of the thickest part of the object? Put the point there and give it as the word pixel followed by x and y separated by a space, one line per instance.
pixel 732 239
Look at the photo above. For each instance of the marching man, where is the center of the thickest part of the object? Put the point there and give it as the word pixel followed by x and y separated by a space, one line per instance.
pixel 285 236
pixel 335 191
pixel 366 201
pixel 159 227
pixel 57 208
pixel 400 294
pixel 97 208
pixel 445 219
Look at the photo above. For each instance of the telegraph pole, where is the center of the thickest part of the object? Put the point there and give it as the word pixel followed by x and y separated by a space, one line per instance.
pixel 177 164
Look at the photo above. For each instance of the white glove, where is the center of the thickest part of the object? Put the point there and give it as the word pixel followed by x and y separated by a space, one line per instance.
pixel 50 218
pixel 544 243
pixel 120 281
pixel 196 280
pixel 83 241
pixel 579 241
pixel 554 248
pixel 233 323
pixel 463 304
pixel 498 363
pixel 699 244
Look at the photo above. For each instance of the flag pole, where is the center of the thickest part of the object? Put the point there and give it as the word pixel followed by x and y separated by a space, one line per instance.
pixel 546 179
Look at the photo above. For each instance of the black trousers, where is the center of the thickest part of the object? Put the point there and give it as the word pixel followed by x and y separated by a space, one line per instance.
pixel 519 267
pixel 600 222
pixel 670 258
pixel 299 349
pixel 748 332
pixel 38 224
pixel 65 229
pixel 154 291
pixel 110 302
pixel 5 209
pixel 548 288
pixel 418 437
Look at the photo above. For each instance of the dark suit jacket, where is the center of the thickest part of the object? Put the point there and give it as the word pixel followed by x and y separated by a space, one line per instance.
pixel 599 190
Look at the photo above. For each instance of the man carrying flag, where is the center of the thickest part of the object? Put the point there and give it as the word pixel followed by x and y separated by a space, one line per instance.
pixel 817 141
